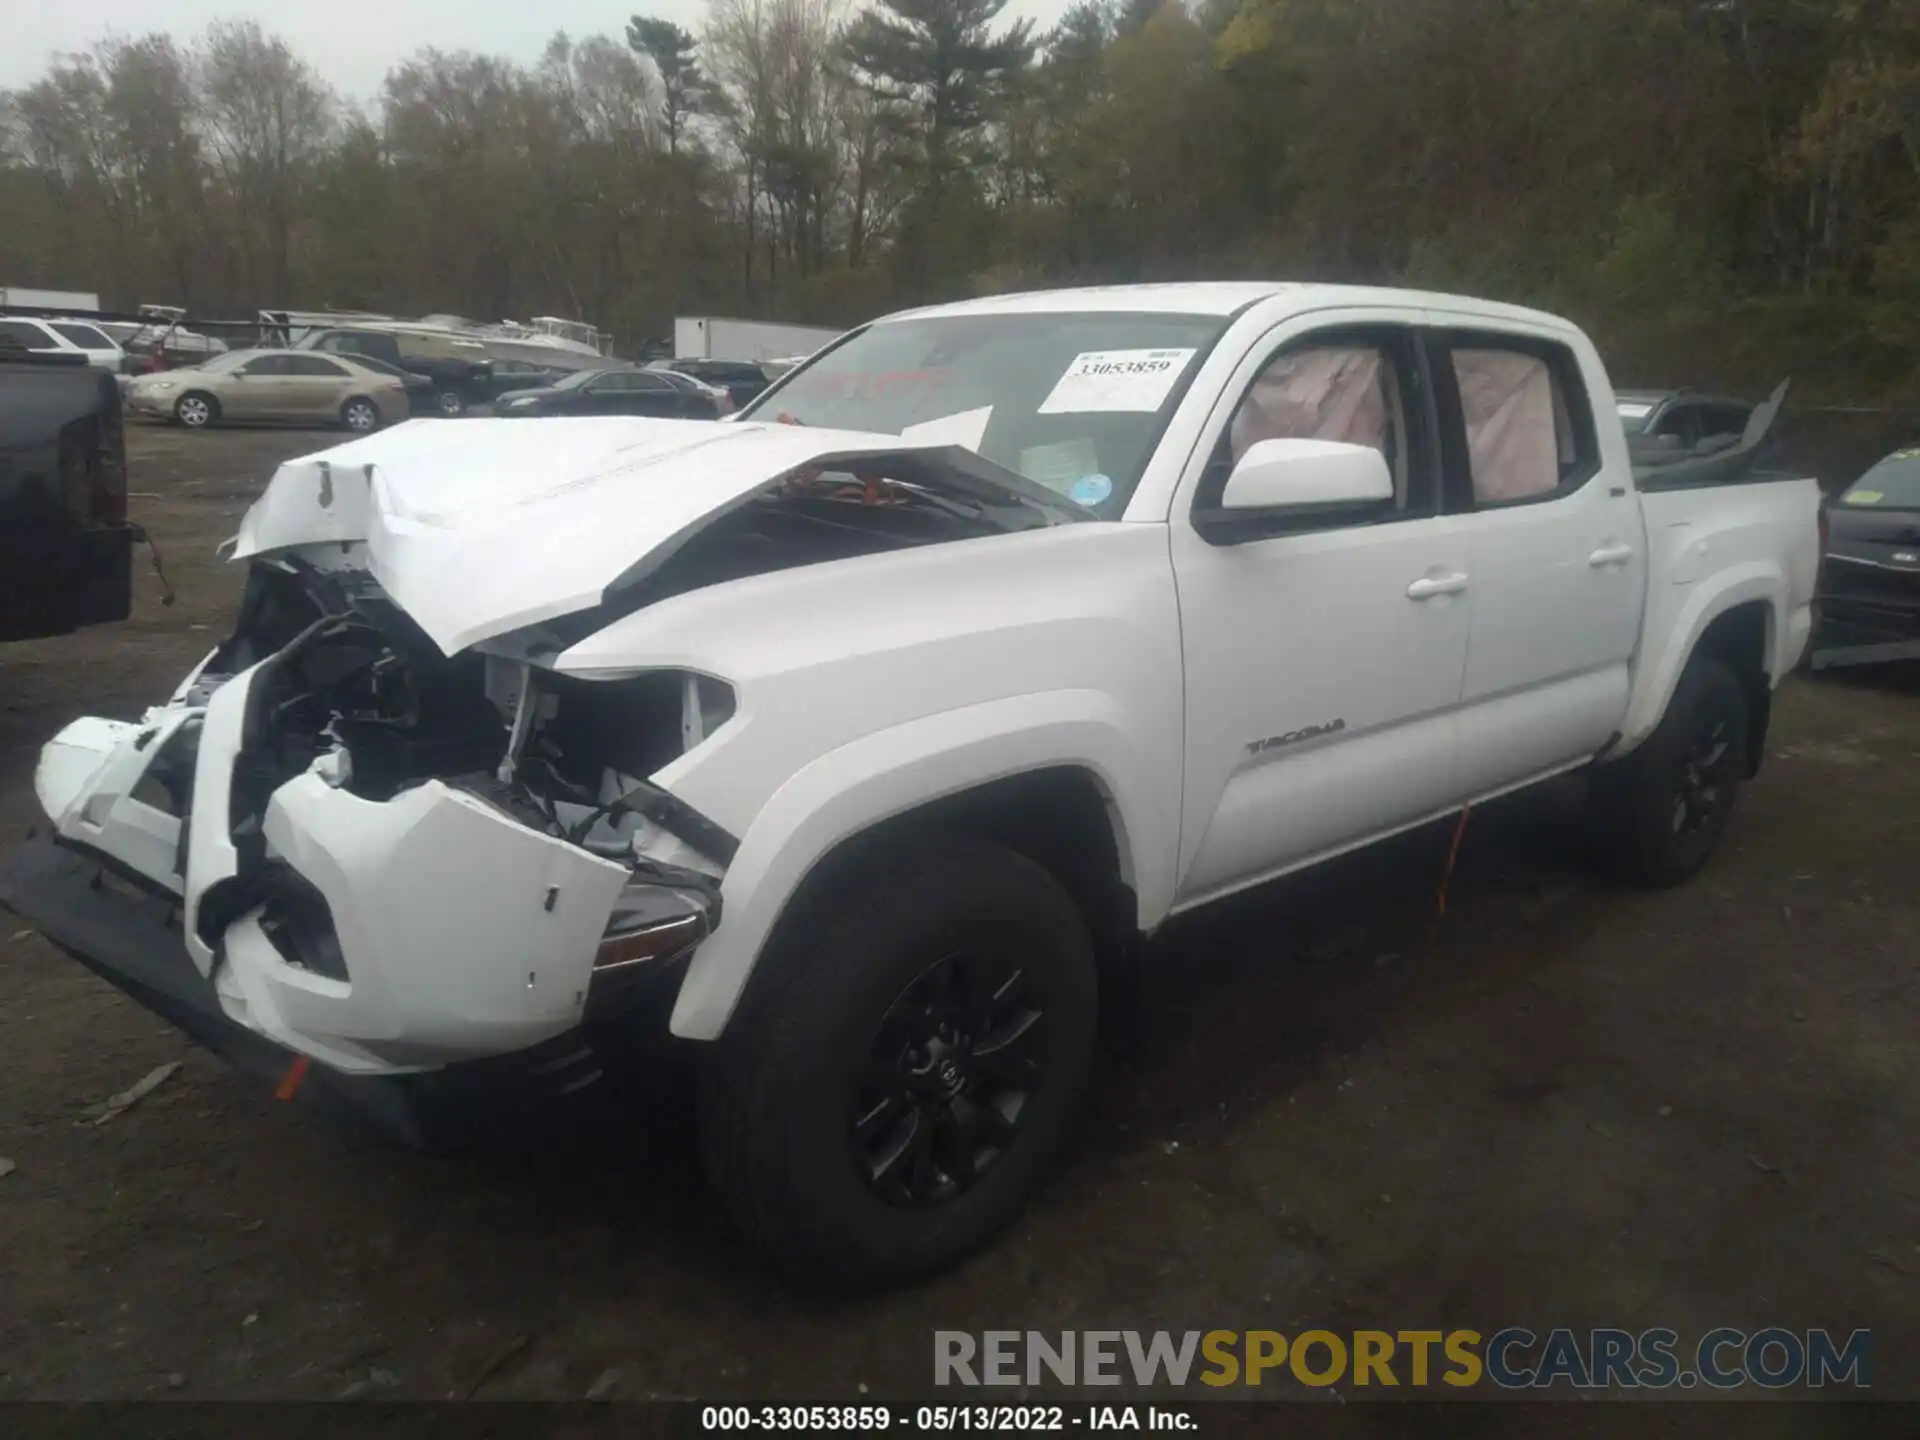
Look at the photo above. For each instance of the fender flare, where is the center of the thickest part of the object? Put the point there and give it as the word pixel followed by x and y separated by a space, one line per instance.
pixel 895 771
pixel 1704 603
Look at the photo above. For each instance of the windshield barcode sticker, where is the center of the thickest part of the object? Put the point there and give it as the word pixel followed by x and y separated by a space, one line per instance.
pixel 1107 380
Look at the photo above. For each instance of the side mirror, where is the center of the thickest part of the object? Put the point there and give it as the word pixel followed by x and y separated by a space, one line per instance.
pixel 1283 485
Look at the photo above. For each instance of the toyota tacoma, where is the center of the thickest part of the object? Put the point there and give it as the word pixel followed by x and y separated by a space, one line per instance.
pixel 862 740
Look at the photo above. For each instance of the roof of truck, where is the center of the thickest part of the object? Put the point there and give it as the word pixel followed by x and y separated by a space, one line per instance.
pixel 1221 297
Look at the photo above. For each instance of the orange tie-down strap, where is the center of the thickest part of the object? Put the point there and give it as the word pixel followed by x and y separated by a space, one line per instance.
pixel 290 1082
pixel 1453 854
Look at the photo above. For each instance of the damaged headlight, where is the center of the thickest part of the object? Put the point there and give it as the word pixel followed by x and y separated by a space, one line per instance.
pixel 655 919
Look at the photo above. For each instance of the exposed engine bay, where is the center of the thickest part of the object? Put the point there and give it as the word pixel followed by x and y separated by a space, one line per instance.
pixel 355 690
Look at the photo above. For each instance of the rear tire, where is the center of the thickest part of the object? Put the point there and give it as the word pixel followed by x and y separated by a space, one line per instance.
pixel 1656 816
pixel 196 410
pixel 360 415
pixel 450 403
pixel 859 1137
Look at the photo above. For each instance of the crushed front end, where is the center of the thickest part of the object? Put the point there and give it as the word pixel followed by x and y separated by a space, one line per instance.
pixel 334 841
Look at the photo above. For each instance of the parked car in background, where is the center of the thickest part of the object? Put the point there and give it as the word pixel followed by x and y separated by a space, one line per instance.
pixel 420 394
pixel 1680 419
pixel 512 375
pixel 716 393
pixel 460 369
pixel 66 550
pixel 288 386
pixel 62 336
pixel 1870 578
pixel 742 380
pixel 618 390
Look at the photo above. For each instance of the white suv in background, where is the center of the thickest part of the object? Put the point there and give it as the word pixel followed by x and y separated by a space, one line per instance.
pixel 65 334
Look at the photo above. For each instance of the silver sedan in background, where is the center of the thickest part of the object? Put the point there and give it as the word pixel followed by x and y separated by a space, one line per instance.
pixel 289 386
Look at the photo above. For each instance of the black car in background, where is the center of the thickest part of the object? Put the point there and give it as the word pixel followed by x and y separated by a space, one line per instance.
pixel 420 391
pixel 619 390
pixel 459 370
pixel 66 549
pixel 742 380
pixel 1869 599
pixel 512 375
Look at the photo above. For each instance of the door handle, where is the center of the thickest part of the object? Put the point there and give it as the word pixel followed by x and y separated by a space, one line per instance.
pixel 1610 555
pixel 1427 587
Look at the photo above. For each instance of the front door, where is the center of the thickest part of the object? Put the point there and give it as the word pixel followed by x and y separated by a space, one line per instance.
pixel 256 391
pixel 1324 665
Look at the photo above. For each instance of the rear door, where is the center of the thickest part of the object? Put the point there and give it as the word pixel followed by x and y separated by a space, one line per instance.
pixel 1556 548
pixel 316 387
pixel 604 394
pixel 657 396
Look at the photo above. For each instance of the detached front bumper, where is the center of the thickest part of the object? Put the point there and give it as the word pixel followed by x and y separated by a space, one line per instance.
pixel 380 938
pixel 131 937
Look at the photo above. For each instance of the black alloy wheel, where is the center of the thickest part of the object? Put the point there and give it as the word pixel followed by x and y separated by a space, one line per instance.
pixel 951 1074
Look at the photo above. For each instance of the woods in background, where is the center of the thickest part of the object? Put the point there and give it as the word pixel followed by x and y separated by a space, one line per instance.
pixel 1728 188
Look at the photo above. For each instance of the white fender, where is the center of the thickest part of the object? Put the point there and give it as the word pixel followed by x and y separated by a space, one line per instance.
pixel 850 789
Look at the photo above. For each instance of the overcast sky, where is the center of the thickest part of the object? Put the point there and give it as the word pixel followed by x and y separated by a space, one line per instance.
pixel 353 43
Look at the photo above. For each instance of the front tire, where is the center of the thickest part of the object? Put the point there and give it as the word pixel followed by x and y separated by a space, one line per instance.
pixel 1656 816
pixel 360 416
pixel 196 410
pixel 904 1065
pixel 450 403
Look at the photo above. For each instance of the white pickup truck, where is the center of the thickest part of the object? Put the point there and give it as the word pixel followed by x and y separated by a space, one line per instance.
pixel 864 738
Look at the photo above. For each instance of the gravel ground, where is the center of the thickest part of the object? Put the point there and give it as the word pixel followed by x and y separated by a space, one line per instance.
pixel 1562 1104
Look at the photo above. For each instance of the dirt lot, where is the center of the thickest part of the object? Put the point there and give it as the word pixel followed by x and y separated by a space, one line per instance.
pixel 1563 1104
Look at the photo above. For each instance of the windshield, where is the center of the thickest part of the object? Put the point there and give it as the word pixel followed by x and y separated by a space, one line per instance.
pixel 1073 401
pixel 1893 484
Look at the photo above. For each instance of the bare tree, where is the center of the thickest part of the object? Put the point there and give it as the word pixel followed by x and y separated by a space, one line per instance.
pixel 269 118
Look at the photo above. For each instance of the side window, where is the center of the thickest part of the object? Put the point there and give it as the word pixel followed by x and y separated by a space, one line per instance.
pixel 1529 430
pixel 24 334
pixel 313 365
pixel 266 365
pixel 1361 387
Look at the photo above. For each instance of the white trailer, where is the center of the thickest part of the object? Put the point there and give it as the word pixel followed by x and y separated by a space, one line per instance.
pixel 700 337
pixel 20 297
